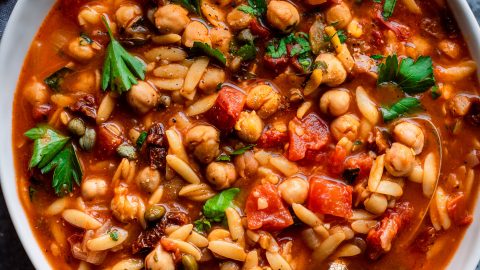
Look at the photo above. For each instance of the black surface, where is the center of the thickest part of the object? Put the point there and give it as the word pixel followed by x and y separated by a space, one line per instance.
pixel 12 254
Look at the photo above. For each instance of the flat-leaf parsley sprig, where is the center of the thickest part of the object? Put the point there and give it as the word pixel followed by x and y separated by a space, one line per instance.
pixel 120 69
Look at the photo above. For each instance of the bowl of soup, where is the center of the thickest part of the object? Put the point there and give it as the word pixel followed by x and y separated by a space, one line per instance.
pixel 311 134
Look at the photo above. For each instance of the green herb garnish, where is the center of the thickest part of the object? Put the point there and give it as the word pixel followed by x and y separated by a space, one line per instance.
pixel 278 48
pixel 242 150
pixel 247 52
pixel 31 192
pixel 256 8
pixel 120 69
pixel 55 80
pixel 141 139
pixel 190 5
pixel 412 76
pixel 51 152
pixel 435 92
pixel 202 225
pixel 398 109
pixel 223 157
pixel 388 8
pixel 341 35
pixel 205 49
pixel 214 208
pixel 113 235
pixel 377 56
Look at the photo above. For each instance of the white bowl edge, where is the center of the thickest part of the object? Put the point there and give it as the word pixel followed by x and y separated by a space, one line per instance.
pixel 23 25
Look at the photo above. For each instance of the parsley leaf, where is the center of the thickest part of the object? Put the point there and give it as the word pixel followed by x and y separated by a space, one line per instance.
pixel 277 49
pixel 113 235
pixel 242 150
pixel 190 5
pixel 388 8
pixel 401 107
pixel 256 8
pixel 205 49
pixel 55 80
pixel 247 52
pixel 412 76
pixel 223 157
pixel 51 152
pixel 341 36
pixel 141 139
pixel 247 9
pixel 202 225
pixel 120 69
pixel 214 208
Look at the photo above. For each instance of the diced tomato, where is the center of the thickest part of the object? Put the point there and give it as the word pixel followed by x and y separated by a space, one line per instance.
pixel 227 108
pixel 259 29
pixel 308 133
pixel 336 160
pixel 41 111
pixel 330 197
pixel 361 161
pixel 271 138
pixel 401 31
pixel 457 209
pixel 265 209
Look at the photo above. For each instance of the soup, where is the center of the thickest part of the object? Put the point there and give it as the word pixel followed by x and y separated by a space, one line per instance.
pixel 315 134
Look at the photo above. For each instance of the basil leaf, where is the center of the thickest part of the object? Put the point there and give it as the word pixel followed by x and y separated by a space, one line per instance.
pixel 403 106
pixel 205 49
pixel 55 80
pixel 214 208
pixel 388 8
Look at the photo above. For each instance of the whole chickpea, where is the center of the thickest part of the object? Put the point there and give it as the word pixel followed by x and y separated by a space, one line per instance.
pixel 148 179
pixel 36 92
pixel 171 19
pixel 221 174
pixel 339 15
pixel 246 164
pixel 238 20
pixel 282 15
pixel 264 99
pixel 211 78
pixel 126 13
pixel 335 102
pixel 80 50
pixel 345 126
pixel 204 141
pixel 142 97
pixel 221 38
pixel 94 188
pixel 410 135
pixel 249 126
pixel 294 190
pixel 399 160
pixel 195 31
pixel 335 74
pixel 159 259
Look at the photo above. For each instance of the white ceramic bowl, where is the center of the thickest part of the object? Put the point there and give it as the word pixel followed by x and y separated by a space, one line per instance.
pixel 24 23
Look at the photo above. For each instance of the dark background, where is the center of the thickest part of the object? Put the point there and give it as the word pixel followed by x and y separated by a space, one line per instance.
pixel 12 254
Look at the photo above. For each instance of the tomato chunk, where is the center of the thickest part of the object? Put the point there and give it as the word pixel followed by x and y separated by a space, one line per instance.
pixel 309 133
pixel 362 161
pixel 330 197
pixel 272 137
pixel 457 209
pixel 337 158
pixel 227 108
pixel 265 209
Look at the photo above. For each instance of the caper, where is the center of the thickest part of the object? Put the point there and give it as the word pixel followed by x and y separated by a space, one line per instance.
pixel 127 151
pixel 87 141
pixel 76 126
pixel 189 262
pixel 165 101
pixel 154 212
pixel 245 35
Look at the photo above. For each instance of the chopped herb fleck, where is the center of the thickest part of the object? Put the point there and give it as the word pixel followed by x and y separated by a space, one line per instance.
pixel 113 235
pixel 141 139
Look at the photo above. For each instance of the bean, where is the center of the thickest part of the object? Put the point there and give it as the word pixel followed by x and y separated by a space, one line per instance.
pixel 189 263
pixel 154 212
pixel 87 141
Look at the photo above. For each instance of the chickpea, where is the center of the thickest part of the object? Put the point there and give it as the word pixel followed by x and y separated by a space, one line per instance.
pixel 127 13
pixel 238 20
pixel 345 126
pixel 221 38
pixel 204 141
pixel 94 188
pixel 249 126
pixel 335 102
pixel 80 50
pixel 294 190
pixel 159 259
pixel 148 179
pixel 459 105
pixel 171 19
pixel 449 48
pixel 410 135
pixel 211 78
pixel 86 81
pixel 339 15
pixel 246 164
pixel 142 97
pixel 195 31
pixel 399 160
pixel 221 174
pixel 91 14
pixel 335 73
pixel 264 99
pixel 36 92
pixel 282 15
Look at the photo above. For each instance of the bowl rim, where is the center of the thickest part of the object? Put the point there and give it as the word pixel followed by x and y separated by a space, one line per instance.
pixel 466 257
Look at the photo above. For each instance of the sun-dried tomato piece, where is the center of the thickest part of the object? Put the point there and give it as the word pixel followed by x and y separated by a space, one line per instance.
pixel 85 106
pixel 157 146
